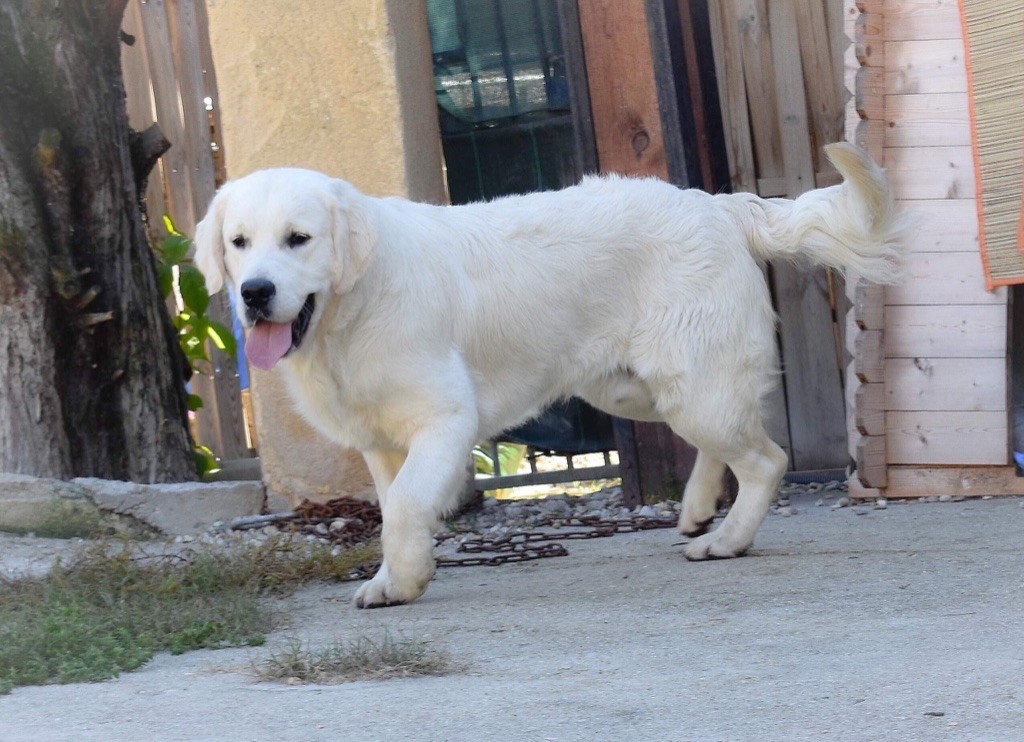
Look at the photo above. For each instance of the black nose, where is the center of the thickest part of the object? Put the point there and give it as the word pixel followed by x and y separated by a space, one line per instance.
pixel 257 293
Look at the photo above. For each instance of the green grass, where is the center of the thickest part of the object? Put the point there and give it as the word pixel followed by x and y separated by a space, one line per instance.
pixel 360 659
pixel 110 610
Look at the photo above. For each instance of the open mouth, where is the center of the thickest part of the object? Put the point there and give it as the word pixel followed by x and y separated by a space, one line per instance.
pixel 269 342
pixel 301 323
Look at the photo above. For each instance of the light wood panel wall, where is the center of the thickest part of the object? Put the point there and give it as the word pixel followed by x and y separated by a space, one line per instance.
pixel 944 408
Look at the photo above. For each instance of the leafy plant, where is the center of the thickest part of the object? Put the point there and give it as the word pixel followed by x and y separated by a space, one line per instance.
pixel 510 456
pixel 190 320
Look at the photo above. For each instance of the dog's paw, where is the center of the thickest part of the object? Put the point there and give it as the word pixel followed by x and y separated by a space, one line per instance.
pixel 384 591
pixel 692 528
pixel 713 545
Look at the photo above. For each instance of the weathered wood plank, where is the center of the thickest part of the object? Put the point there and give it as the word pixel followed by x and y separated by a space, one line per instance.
pixel 872 465
pixel 813 381
pixel 624 101
pixel 869 356
pixel 930 172
pixel 977 384
pixel 838 39
pixel 858 491
pixel 156 37
pixel 967 481
pixel 777 187
pixel 823 88
pixel 944 278
pixel 869 92
pixel 759 73
pixel 793 125
pixel 925 67
pixel 733 95
pixel 945 331
pixel 927 120
pixel 943 225
pixel 869 306
pixel 921 19
pixel 869 409
pixel 210 86
pixel 954 438
pixel 138 96
pixel 871 136
pixel 868 40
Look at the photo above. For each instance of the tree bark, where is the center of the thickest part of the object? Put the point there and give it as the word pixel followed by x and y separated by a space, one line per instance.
pixel 90 378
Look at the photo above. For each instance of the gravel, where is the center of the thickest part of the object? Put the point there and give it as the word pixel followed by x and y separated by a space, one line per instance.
pixel 490 517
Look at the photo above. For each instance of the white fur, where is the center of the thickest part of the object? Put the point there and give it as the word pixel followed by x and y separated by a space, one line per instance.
pixel 438 327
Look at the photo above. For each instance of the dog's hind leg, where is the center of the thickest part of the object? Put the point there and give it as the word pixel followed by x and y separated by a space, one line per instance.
pixel 759 469
pixel 700 498
pixel 723 420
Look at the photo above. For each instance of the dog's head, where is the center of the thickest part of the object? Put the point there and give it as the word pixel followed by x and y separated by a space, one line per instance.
pixel 284 239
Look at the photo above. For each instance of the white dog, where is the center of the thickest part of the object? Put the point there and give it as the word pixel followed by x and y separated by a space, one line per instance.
pixel 412 332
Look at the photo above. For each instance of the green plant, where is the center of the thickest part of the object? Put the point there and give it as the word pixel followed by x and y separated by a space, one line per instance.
pixel 510 456
pixel 193 325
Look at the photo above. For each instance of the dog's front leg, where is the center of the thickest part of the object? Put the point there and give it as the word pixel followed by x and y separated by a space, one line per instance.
pixel 425 488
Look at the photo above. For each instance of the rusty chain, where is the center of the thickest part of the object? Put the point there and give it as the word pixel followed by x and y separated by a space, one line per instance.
pixel 519 546
pixel 361 521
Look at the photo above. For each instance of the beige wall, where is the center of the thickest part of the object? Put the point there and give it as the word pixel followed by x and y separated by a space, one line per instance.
pixel 344 87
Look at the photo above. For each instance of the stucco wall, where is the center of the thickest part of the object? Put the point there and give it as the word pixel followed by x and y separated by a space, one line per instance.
pixel 344 87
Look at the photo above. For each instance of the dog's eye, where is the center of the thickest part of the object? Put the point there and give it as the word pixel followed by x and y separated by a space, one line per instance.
pixel 238 242
pixel 295 239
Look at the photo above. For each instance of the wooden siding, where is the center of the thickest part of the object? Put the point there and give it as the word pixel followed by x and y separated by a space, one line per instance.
pixel 944 392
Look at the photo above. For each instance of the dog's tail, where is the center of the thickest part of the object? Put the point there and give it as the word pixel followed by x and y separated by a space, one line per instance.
pixel 852 226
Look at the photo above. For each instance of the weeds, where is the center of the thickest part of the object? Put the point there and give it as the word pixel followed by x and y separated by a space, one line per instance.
pixel 112 609
pixel 360 659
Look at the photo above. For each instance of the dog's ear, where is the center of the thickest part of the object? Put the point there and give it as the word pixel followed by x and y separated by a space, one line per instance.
pixel 354 235
pixel 209 257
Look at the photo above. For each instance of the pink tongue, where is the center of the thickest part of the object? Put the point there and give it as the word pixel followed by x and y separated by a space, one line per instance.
pixel 267 343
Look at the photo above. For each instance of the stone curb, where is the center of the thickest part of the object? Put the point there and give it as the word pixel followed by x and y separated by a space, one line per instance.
pixel 36 504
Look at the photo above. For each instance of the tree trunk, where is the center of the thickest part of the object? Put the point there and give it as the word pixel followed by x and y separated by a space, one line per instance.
pixel 91 383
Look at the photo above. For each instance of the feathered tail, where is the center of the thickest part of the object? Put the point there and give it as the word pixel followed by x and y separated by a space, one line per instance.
pixel 853 226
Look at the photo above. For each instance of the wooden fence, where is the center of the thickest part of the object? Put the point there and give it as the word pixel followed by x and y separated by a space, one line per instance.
pixel 170 81
pixel 780 67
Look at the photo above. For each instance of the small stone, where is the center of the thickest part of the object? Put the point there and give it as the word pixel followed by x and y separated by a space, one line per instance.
pixel 820 502
pixel 833 486
pixel 783 502
pixel 786 512
pixel 555 506
pixel 986 497
pixel 338 524
pixel 647 511
pixel 321 528
pixel 842 502
pixel 945 498
pixel 881 503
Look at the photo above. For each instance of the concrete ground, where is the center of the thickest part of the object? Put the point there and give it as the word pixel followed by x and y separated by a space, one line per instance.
pixel 851 624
